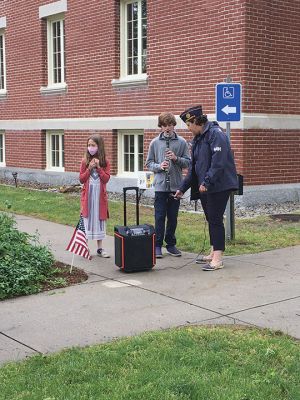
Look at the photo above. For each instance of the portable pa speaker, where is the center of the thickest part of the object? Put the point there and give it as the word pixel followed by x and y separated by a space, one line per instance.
pixel 134 244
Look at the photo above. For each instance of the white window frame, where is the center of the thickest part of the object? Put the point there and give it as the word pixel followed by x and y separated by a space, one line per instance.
pixel 52 85
pixel 2 162
pixel 140 78
pixel 3 90
pixel 121 134
pixel 49 165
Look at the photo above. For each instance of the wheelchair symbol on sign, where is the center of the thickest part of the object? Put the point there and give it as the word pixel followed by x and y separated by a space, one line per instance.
pixel 228 92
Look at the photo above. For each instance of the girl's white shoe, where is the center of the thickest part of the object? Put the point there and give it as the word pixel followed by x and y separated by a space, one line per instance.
pixel 102 253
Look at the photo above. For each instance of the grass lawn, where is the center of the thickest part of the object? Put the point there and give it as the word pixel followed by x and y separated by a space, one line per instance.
pixel 252 235
pixel 195 363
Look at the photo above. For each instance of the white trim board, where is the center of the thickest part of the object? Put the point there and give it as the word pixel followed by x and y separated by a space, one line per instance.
pixel 248 121
pixel 2 22
pixel 53 8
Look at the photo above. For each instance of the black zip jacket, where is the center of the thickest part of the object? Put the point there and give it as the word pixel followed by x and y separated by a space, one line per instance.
pixel 212 163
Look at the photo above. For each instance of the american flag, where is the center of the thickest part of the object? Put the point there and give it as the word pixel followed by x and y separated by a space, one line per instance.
pixel 78 244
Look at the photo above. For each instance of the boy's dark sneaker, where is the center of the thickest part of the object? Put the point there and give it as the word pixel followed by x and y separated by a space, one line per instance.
pixel 173 251
pixel 158 253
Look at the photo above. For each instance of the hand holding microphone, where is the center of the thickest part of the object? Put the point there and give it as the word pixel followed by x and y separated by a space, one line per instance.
pixel 178 195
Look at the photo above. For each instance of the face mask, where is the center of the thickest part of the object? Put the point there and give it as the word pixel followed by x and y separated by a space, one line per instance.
pixel 92 150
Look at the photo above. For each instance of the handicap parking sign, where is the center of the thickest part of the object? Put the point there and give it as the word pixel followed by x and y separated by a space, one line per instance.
pixel 228 101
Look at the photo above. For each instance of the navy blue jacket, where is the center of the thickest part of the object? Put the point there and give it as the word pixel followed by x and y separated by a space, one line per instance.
pixel 212 163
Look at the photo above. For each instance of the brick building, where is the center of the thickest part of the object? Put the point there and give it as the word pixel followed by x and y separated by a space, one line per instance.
pixel 72 68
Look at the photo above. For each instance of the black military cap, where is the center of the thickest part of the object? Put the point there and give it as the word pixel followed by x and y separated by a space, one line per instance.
pixel 191 113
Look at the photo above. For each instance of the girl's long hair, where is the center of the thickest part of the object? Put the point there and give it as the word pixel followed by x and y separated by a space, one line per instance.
pixel 101 151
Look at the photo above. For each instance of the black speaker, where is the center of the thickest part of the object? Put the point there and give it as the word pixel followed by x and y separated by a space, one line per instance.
pixel 135 247
pixel 134 244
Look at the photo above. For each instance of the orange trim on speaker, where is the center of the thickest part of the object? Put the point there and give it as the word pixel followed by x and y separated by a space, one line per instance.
pixel 123 256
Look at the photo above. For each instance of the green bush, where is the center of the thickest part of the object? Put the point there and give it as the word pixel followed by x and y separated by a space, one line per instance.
pixel 24 263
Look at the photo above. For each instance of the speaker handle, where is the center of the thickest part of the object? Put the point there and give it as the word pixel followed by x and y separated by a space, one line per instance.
pixel 125 189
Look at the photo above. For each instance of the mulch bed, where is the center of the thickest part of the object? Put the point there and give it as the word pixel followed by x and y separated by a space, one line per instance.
pixel 77 276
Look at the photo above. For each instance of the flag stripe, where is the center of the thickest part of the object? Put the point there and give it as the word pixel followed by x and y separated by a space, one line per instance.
pixel 78 243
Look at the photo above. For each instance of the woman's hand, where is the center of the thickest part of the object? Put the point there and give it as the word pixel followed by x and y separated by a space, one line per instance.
pixel 202 189
pixel 178 195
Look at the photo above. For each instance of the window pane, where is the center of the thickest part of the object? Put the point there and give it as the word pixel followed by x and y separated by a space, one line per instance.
pixel 57 150
pixel 129 12
pixel 136 37
pixel 1 62
pixel 135 65
pixel 135 47
pixel 144 37
pixel 141 162
pixel 140 152
pixel 126 147
pixel 126 162
pixel 141 143
pixel 63 150
pixel 135 29
pixel 132 144
pixel 131 162
pixel 129 48
pixel 135 11
pixel 129 30
pixel 57 55
pixel 1 149
pixel 144 9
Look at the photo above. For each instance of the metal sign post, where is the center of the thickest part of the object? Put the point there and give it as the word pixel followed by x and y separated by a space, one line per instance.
pixel 228 108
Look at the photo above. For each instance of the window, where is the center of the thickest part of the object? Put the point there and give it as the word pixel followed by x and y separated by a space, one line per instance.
pixel 2 65
pixel 2 150
pixel 54 15
pixel 131 152
pixel 55 151
pixel 133 41
pixel 56 51
pixel 56 54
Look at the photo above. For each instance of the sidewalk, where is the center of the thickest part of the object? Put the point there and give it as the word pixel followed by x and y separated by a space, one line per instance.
pixel 261 289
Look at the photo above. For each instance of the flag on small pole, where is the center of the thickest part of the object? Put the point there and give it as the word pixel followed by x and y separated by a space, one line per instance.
pixel 78 244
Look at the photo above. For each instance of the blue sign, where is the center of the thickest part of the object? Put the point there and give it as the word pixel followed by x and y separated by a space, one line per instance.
pixel 228 102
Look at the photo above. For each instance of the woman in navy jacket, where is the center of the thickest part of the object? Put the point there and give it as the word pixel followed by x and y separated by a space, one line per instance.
pixel 211 177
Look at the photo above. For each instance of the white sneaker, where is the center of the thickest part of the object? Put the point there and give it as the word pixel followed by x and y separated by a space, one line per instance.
pixel 102 253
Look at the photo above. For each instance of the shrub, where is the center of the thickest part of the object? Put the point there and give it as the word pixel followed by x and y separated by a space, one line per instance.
pixel 24 262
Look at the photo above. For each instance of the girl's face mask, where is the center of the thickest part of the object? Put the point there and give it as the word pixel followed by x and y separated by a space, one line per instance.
pixel 92 150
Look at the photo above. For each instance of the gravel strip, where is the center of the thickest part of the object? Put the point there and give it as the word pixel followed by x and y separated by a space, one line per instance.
pixel 186 205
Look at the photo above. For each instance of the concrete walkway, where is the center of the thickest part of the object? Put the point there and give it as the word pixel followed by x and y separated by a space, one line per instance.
pixel 261 290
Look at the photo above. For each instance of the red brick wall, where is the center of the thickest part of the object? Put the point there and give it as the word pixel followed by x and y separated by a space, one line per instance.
pixel 190 49
pixel 268 156
pixel 188 52
pixel 272 61
pixel 25 149
pixel 257 42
